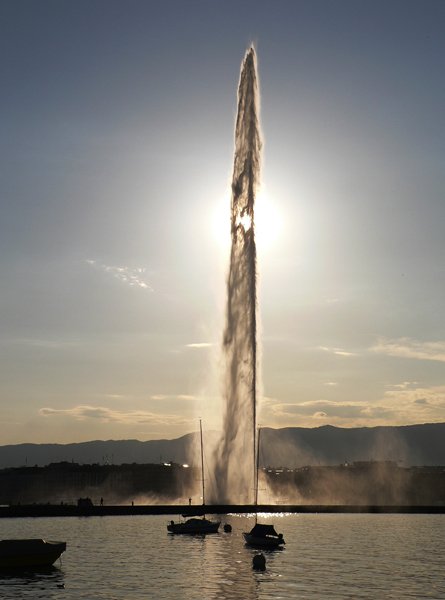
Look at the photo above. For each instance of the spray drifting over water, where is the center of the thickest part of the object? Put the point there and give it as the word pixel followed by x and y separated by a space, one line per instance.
pixel 235 456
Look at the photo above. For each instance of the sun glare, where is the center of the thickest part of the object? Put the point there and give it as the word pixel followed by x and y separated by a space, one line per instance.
pixel 245 221
pixel 268 222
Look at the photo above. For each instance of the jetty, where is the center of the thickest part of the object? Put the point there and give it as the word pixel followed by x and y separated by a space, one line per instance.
pixel 71 510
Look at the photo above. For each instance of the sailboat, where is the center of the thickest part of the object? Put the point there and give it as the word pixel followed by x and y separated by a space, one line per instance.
pixel 29 553
pixel 196 525
pixel 262 535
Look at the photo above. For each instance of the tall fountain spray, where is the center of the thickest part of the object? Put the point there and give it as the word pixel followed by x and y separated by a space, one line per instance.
pixel 235 456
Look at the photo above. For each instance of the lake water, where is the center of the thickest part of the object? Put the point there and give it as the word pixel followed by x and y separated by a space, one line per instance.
pixel 326 557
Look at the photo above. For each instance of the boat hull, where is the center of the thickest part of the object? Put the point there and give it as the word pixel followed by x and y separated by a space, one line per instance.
pixel 263 542
pixel 29 553
pixel 194 527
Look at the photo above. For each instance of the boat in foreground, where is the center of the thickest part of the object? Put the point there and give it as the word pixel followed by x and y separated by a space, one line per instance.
pixel 194 526
pixel 29 553
pixel 264 536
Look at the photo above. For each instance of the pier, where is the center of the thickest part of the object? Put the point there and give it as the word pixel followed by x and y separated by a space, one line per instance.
pixel 71 510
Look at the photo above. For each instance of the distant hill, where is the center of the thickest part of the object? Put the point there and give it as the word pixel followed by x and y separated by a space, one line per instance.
pixel 412 445
pixel 98 451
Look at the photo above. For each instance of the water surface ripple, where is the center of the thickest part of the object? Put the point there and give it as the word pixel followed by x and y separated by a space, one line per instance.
pixel 326 557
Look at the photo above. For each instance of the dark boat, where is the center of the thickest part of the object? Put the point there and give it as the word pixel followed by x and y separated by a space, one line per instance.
pixel 262 535
pixel 29 553
pixel 194 525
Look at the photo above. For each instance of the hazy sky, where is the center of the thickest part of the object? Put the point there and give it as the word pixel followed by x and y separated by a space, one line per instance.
pixel 116 153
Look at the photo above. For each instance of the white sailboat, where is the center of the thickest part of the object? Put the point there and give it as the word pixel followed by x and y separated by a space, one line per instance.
pixel 262 535
pixel 196 525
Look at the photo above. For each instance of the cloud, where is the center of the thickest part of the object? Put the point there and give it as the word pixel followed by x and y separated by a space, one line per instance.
pixel 336 351
pixel 415 404
pixel 405 385
pixel 318 407
pixel 113 396
pixel 330 383
pixel 378 412
pixel 434 396
pixel 106 415
pixel 199 345
pixel 404 403
pixel 127 275
pixel 409 348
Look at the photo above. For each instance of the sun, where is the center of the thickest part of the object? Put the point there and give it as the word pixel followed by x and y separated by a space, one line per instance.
pixel 245 221
pixel 268 222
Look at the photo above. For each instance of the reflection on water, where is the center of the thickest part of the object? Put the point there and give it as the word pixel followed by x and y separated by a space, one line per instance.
pixel 326 557
pixel 43 582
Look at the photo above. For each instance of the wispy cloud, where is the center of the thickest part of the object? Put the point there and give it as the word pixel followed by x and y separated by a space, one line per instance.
pixel 409 348
pixel 411 403
pixel 199 345
pixel 185 397
pixel 315 408
pixel 405 385
pixel 133 277
pixel 336 351
pixel 425 395
pixel 85 412
pixel 402 403
pixel 320 415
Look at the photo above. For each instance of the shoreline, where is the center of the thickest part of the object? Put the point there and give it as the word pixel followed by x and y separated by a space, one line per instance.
pixel 66 510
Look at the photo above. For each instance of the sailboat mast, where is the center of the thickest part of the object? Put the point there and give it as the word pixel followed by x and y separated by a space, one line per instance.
pixel 253 304
pixel 202 463
pixel 257 466
pixel 254 374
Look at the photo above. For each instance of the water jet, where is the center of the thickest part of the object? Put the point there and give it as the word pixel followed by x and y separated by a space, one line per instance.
pixel 235 455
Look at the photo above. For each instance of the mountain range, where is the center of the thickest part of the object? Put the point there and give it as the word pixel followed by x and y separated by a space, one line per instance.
pixel 291 447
